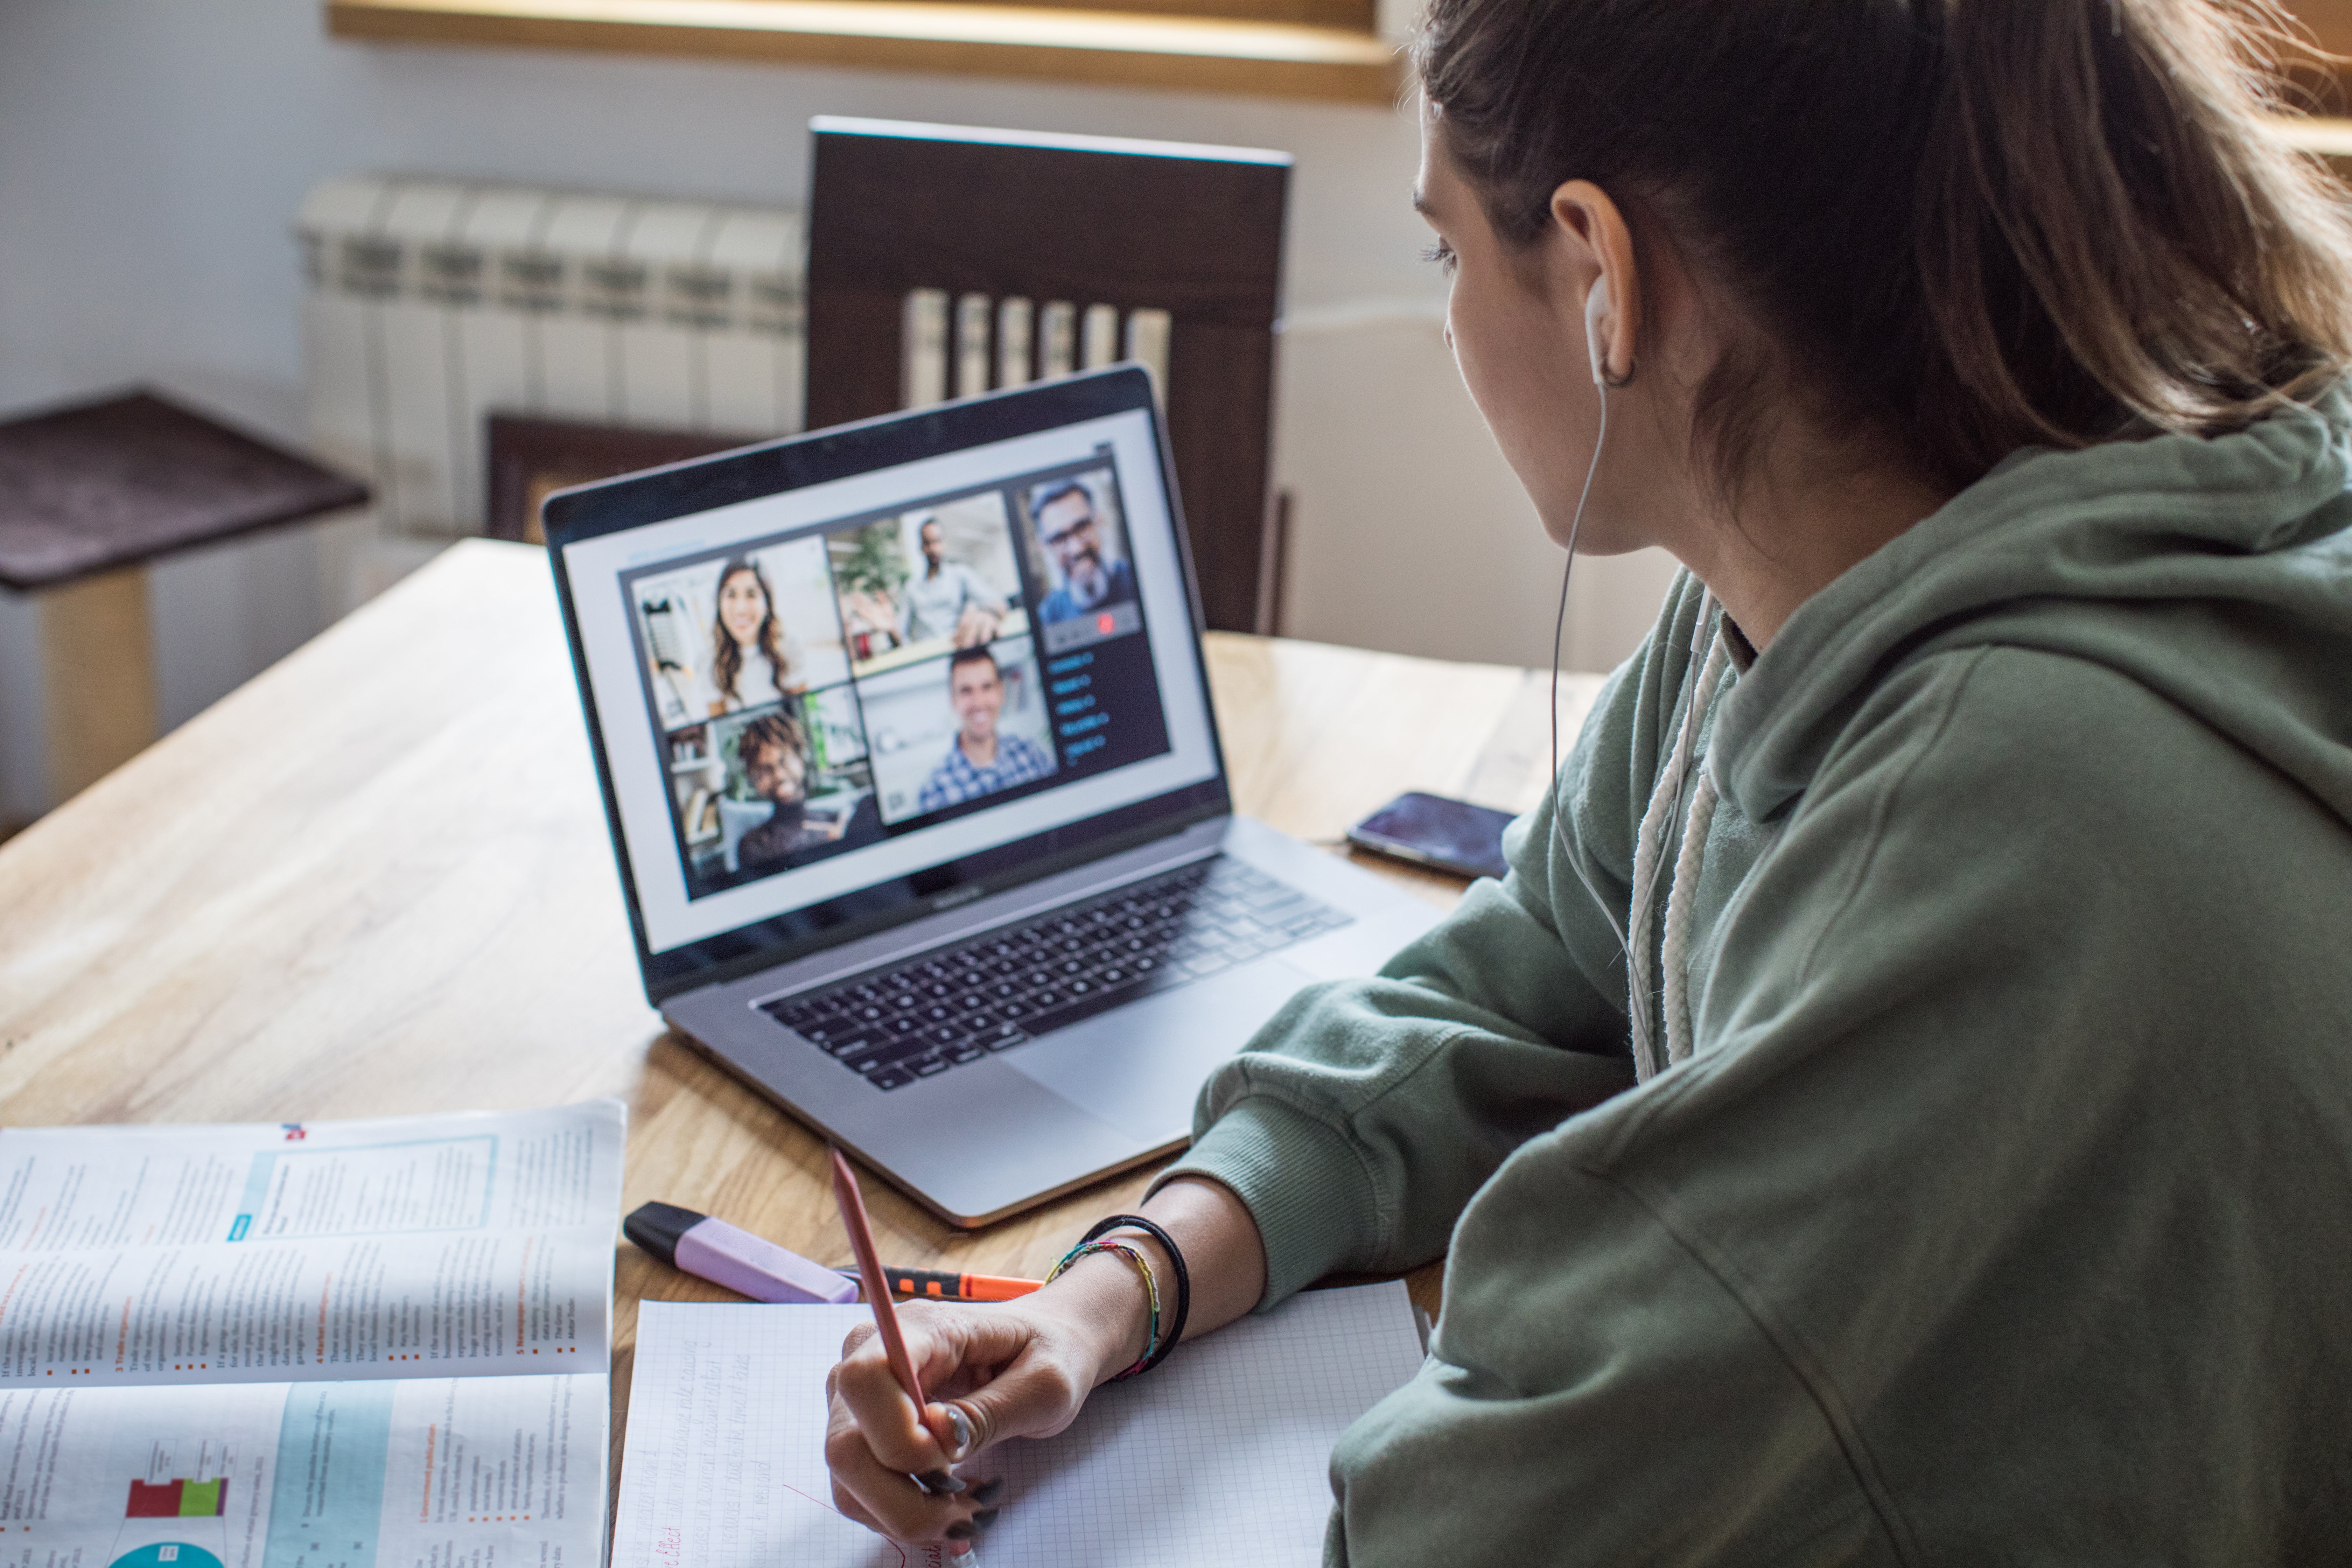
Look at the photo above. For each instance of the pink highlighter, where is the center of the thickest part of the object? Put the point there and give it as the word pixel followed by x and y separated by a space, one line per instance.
pixel 714 1250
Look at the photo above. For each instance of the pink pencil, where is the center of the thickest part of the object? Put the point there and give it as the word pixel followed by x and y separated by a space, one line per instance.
pixel 869 1267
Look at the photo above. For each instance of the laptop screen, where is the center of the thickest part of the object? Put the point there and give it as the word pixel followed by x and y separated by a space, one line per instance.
pixel 833 701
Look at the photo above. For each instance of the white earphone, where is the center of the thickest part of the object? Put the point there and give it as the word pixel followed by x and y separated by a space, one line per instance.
pixel 1595 304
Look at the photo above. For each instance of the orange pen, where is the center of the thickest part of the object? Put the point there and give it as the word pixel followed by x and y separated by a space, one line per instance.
pixel 943 1285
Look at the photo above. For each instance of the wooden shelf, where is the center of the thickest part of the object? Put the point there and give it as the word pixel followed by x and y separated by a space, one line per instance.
pixel 1043 41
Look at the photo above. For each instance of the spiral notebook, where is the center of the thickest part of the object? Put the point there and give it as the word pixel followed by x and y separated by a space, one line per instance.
pixel 1220 1456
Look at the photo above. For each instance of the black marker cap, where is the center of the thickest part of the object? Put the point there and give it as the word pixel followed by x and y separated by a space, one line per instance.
pixel 656 1228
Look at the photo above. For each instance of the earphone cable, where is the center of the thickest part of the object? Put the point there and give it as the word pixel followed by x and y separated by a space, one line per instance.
pixel 1559 628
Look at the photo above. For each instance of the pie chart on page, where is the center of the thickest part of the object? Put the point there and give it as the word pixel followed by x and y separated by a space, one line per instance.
pixel 167 1555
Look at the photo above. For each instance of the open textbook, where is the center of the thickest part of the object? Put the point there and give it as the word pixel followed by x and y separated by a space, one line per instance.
pixel 1220 1456
pixel 338 1345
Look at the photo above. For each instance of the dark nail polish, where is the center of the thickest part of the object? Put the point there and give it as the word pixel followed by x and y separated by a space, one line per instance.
pixel 988 1491
pixel 941 1481
pixel 961 1532
pixel 986 1517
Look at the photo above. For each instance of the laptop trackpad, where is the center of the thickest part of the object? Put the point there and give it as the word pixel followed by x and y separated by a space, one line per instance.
pixel 1140 1067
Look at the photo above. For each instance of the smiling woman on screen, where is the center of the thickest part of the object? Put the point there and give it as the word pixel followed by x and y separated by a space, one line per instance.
pixel 751 661
pixel 1899 1106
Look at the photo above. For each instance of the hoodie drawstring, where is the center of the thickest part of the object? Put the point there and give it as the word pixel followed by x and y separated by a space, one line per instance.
pixel 1676 956
pixel 1665 802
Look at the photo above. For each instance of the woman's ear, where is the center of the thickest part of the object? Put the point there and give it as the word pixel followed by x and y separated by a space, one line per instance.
pixel 1601 254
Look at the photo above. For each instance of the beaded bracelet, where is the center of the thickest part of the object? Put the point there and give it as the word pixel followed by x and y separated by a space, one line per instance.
pixel 1183 1284
pixel 1134 1256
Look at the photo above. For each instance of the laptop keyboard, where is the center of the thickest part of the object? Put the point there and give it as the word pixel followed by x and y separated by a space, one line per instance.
pixel 996 991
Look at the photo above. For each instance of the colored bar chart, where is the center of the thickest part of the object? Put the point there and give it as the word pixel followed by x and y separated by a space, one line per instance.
pixel 177 1499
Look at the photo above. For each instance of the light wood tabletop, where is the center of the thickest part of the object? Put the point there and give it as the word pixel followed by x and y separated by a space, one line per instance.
pixel 376 880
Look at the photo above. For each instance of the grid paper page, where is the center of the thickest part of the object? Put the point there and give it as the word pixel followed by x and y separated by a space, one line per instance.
pixel 1220 1456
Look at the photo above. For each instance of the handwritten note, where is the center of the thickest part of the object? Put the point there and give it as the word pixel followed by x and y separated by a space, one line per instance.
pixel 1220 1456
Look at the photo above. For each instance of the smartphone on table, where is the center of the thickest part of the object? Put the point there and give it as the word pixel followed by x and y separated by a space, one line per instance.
pixel 1434 831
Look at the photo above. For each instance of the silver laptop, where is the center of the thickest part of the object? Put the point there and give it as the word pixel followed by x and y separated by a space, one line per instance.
pixel 908 751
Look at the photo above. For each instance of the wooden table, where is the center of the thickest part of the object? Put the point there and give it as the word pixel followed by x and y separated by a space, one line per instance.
pixel 376 880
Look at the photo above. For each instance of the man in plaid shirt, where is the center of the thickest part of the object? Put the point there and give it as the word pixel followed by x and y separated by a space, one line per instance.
pixel 981 762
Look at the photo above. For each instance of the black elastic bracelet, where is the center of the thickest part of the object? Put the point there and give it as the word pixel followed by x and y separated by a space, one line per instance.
pixel 1183 1282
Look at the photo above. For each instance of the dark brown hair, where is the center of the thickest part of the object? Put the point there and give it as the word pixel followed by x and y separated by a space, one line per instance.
pixel 779 731
pixel 727 655
pixel 1961 225
pixel 979 655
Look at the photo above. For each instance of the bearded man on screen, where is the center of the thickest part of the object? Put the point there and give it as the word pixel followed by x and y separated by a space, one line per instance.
pixel 1071 531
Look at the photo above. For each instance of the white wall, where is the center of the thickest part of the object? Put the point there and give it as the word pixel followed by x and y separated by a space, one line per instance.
pixel 153 153
pixel 1408 531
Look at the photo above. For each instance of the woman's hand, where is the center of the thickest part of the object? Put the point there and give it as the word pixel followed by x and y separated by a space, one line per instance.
pixel 1019 1370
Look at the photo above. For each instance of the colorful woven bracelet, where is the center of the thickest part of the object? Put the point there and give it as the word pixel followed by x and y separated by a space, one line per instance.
pixel 1151 1229
pixel 1143 1265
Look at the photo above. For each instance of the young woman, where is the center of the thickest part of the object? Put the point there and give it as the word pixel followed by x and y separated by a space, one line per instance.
pixel 752 663
pixel 1899 1107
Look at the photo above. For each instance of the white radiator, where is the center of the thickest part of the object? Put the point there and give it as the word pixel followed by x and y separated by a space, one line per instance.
pixel 433 303
pixel 971 344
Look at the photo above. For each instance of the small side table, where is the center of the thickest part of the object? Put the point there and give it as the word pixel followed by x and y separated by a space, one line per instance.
pixel 89 496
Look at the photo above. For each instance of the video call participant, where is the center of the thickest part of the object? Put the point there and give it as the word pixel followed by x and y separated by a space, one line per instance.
pixel 979 761
pixel 773 750
pixel 1072 534
pixel 947 598
pixel 751 661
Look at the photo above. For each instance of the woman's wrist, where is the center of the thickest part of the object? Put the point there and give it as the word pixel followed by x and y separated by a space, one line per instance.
pixel 1103 1299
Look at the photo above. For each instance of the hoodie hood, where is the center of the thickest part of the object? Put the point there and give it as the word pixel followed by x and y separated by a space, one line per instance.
pixel 2216 572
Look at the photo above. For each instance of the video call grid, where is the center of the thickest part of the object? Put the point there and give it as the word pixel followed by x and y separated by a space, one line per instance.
pixel 828 695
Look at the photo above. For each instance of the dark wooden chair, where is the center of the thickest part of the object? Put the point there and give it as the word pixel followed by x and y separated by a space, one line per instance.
pixel 531 457
pixel 944 260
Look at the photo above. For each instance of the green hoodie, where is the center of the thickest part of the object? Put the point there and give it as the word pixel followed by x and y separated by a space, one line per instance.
pixel 2003 1212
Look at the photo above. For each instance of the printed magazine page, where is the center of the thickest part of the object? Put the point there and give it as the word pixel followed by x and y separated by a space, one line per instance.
pixel 332 1346
pixel 476 1244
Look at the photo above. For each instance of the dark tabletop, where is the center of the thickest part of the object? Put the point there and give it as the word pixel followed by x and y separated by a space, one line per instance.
pixel 122 481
